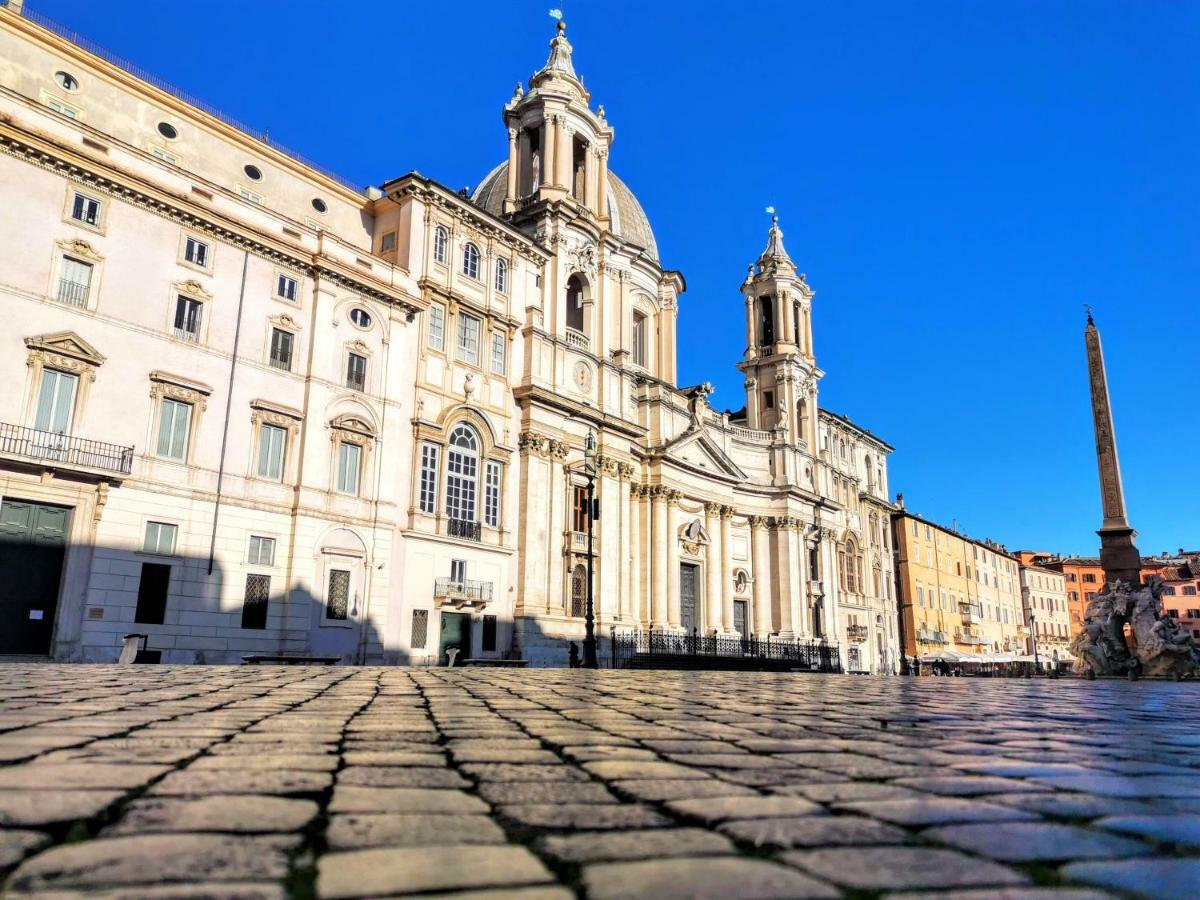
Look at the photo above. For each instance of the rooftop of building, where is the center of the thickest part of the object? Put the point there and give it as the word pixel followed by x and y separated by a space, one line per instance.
pixel 864 432
pixel 986 543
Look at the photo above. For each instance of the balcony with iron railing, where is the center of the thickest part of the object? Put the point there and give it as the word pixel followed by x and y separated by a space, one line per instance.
pixel 462 593
pixel 928 636
pixel 64 450
pixel 856 634
pixel 184 335
pixel 464 529
pixel 969 637
pixel 972 613
pixel 578 340
pixel 72 293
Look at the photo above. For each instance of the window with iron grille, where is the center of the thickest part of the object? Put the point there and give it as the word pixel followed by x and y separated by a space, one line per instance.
pixel 488 641
pixel 491 496
pixel 579 592
pixel 254 604
pixel 281 349
pixel 429 477
pixel 337 597
pixel 420 628
pixel 74 282
pixel 356 372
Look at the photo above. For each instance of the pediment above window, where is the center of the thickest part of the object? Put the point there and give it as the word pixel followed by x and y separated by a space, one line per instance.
pixel 192 288
pixel 79 248
pixel 64 345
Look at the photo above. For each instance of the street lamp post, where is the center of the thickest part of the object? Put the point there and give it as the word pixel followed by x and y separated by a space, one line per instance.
pixel 1037 663
pixel 589 636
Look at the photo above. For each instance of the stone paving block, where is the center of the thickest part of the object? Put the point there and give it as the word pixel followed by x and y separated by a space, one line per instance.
pixel 401 776
pixel 616 770
pixel 600 846
pixel 348 798
pixel 887 868
pixel 1162 879
pixel 1166 829
pixel 352 831
pixel 671 789
pixel 1035 841
pixel 239 814
pixel 601 753
pixel 499 755
pixel 543 892
pixel 212 890
pixel 1030 893
pixel 394 871
pixel 506 772
pixel 15 845
pixel 43 808
pixel 392 758
pixel 154 859
pixel 583 815
pixel 1070 805
pixel 83 776
pixel 279 762
pixel 1135 786
pixel 969 785
pixel 845 791
pixel 814 831
pixel 720 809
pixel 719 878
pixel 935 811
pixel 545 792
pixel 261 781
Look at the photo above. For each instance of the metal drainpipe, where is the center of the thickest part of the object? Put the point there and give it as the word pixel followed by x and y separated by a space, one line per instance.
pixel 237 337
pixel 304 426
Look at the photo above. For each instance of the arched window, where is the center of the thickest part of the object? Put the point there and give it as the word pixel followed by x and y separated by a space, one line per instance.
pixel 802 416
pixel 639 338
pixel 471 261
pixel 502 275
pixel 575 303
pixel 579 591
pixel 441 240
pixel 462 475
pixel 766 321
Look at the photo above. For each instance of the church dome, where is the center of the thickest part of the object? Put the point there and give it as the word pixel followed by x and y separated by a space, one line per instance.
pixel 627 219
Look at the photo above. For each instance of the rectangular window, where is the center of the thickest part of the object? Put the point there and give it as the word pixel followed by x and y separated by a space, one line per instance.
pixel 254 603
pixel 420 629
pixel 1189 591
pixel 491 496
pixel 429 477
pixel 174 421
pixel 250 195
pixel 160 153
pixel 281 349
pixel 437 327
pixel 388 242
pixel 498 353
pixel 920 596
pixel 272 443
pixel 285 288
pixel 349 457
pixel 74 282
pixel 196 252
pixel 579 512
pixel 160 538
pixel 337 597
pixel 188 313
pixel 488 640
pixel 261 552
pixel 356 372
pixel 458 571
pixel 468 339
pixel 639 339
pixel 56 401
pixel 152 594
pixel 59 107
pixel 86 210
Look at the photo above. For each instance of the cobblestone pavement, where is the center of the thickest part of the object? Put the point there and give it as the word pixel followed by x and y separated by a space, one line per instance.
pixel 151 781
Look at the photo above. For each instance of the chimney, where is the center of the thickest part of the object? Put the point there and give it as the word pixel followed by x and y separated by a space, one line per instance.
pixel 13 6
pixel 900 499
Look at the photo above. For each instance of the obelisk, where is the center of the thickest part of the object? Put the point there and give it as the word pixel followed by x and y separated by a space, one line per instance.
pixel 1119 556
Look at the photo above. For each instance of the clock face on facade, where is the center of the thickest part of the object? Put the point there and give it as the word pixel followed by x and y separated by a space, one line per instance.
pixel 583 376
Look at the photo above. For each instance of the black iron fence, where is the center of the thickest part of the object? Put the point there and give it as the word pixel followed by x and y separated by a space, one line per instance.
pixel 628 647
pixel 461 528
pixel 47 446
pixel 472 591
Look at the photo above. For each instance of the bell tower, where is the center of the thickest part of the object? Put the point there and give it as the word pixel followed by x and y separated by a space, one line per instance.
pixel 781 371
pixel 557 146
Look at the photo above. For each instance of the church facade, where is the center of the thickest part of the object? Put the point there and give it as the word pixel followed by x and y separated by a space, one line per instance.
pixel 263 412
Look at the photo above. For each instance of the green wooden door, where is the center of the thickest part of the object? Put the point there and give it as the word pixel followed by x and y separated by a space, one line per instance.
pixel 456 632
pixel 33 540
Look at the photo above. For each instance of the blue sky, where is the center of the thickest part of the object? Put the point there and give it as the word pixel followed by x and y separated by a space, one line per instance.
pixel 956 178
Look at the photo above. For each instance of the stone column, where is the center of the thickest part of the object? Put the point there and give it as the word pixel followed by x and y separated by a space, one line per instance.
pixel 726 594
pixel 674 607
pixel 784 540
pixel 712 566
pixel 624 543
pixel 751 328
pixel 511 194
pixel 658 558
pixel 549 173
pixel 601 202
pixel 760 555
pixel 636 613
pixel 564 147
pixel 808 344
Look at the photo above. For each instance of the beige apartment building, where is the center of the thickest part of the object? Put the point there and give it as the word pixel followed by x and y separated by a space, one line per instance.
pixel 955 593
pixel 1044 597
pixel 263 411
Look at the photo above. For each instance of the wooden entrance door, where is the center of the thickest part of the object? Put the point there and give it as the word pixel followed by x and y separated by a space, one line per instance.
pixel 456 632
pixel 739 618
pixel 33 541
pixel 687 596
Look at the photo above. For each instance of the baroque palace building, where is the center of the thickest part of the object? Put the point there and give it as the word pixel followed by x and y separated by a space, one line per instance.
pixel 254 409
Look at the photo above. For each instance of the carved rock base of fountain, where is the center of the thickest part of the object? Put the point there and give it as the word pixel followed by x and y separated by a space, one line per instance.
pixel 1162 647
